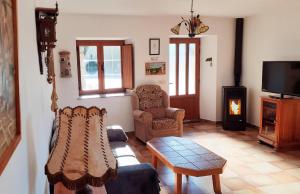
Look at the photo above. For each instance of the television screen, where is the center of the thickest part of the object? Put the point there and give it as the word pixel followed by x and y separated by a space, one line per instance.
pixel 281 77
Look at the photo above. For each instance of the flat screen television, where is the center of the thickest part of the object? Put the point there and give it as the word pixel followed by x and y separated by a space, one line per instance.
pixel 282 77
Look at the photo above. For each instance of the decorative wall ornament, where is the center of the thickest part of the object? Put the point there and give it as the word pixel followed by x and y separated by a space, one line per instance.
pixel 194 25
pixel 154 46
pixel 10 128
pixel 46 19
pixel 65 66
pixel 50 61
pixel 209 60
pixel 51 79
pixel 155 68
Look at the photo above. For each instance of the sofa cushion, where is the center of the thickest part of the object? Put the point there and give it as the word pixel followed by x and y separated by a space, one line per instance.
pixel 123 153
pixel 157 113
pixel 116 133
pixel 127 161
pixel 134 179
pixel 164 123
pixel 120 149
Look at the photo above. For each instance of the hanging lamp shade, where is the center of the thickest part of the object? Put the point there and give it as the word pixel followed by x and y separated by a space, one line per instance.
pixel 81 155
pixel 201 29
pixel 176 29
pixel 193 25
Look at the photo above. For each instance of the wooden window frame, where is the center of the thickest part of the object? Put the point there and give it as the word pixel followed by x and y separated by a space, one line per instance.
pixel 100 60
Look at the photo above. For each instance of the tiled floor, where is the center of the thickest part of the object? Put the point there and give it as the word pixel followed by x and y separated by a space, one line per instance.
pixel 251 167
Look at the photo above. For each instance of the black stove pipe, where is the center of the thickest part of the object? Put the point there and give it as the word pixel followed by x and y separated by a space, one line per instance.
pixel 239 28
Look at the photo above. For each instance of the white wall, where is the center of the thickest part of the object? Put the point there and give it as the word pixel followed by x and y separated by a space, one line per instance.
pixel 270 36
pixel 226 39
pixel 24 173
pixel 208 74
pixel 139 29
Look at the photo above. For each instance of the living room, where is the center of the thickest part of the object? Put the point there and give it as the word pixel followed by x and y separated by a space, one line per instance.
pixel 270 34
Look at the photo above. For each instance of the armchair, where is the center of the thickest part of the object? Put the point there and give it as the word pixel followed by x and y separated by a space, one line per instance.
pixel 152 115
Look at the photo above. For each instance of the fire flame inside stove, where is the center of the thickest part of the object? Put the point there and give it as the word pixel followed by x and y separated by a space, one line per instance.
pixel 235 106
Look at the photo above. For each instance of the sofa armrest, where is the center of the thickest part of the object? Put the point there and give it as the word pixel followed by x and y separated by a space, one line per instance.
pixel 137 179
pixel 175 113
pixel 142 116
pixel 116 133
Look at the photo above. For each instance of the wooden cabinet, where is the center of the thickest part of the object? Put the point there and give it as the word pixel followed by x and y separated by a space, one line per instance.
pixel 280 123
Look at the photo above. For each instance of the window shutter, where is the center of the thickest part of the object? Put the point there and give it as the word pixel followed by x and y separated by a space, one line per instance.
pixel 127 66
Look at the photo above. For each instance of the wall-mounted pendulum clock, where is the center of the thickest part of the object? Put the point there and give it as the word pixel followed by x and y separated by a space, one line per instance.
pixel 46 19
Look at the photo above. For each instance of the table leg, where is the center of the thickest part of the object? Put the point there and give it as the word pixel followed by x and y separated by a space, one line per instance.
pixel 178 183
pixel 154 161
pixel 216 183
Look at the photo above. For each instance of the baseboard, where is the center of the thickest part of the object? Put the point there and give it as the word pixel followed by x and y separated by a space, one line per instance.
pixel 130 133
pixel 211 122
pixel 191 121
pixel 252 126
pixel 221 122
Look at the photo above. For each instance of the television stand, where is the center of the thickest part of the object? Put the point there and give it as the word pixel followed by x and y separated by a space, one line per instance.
pixel 279 123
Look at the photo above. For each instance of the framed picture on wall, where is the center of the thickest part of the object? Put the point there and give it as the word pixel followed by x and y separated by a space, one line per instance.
pixel 154 46
pixel 155 68
pixel 10 130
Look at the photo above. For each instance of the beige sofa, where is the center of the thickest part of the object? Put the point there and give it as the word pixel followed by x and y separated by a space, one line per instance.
pixel 152 115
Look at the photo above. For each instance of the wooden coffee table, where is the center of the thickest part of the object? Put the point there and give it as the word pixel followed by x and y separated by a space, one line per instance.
pixel 186 157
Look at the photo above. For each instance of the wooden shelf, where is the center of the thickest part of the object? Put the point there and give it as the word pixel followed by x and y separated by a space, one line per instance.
pixel 279 123
pixel 270 121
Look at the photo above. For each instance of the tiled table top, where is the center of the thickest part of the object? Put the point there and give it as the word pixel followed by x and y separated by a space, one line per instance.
pixel 183 155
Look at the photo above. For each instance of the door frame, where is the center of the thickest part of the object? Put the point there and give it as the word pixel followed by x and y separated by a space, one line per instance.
pixel 197 42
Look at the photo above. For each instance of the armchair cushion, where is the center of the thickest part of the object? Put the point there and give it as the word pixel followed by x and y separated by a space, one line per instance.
pixel 164 123
pixel 157 113
pixel 175 113
pixel 150 96
pixel 142 116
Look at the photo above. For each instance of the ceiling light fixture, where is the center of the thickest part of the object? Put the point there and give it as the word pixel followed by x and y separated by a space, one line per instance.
pixel 194 25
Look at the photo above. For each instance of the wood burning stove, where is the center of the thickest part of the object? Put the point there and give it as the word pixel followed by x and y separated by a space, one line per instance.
pixel 234 97
pixel 234 107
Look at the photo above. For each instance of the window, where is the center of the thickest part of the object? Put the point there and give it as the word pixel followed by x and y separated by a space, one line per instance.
pixel 183 67
pixel 104 66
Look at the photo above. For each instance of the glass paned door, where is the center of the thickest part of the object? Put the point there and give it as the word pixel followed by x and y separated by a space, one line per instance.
pixel 182 69
pixel 172 69
pixel 192 69
pixel 184 72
